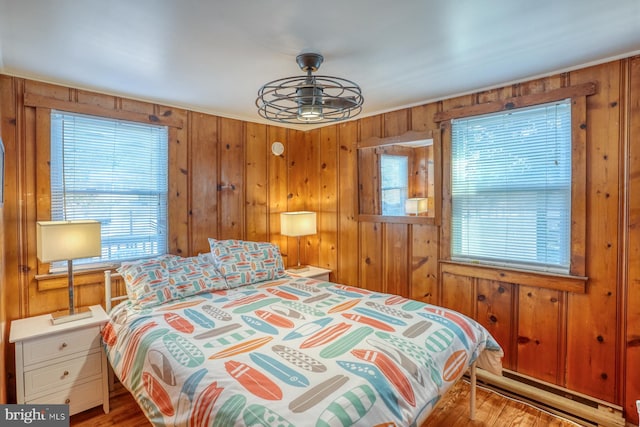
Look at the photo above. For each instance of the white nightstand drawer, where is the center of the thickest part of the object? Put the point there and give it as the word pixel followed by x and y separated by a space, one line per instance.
pixel 79 397
pixel 49 347
pixel 62 374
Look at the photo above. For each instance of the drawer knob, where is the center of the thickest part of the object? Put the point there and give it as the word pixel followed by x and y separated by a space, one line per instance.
pixel 65 373
pixel 67 401
pixel 64 345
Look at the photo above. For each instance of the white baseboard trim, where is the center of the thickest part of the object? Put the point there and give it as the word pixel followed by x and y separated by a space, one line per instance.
pixel 564 402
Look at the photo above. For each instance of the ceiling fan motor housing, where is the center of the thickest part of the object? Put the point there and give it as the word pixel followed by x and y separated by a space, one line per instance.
pixel 309 61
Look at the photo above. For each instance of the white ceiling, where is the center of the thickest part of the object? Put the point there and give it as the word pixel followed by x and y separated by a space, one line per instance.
pixel 213 56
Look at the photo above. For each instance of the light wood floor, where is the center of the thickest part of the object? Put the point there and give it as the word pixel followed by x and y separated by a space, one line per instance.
pixel 492 410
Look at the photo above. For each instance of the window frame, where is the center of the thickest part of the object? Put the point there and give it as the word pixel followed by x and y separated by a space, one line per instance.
pixel 41 115
pixel 578 95
pixel 163 195
pixel 532 192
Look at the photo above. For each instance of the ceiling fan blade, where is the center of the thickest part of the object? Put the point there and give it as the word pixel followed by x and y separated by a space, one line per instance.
pixel 344 102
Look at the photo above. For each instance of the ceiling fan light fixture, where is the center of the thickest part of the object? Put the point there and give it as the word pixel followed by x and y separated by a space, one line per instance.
pixel 309 101
pixel 310 98
pixel 310 113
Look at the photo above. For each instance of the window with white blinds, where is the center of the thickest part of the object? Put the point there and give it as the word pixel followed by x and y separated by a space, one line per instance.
pixel 115 172
pixel 511 188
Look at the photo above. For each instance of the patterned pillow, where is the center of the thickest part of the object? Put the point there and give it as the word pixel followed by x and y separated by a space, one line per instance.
pixel 194 275
pixel 243 263
pixel 146 280
pixel 155 281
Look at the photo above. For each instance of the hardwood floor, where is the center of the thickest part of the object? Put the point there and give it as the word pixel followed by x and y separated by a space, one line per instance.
pixel 123 412
pixel 492 410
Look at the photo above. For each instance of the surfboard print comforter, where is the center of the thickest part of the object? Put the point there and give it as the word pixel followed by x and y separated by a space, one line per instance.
pixel 292 352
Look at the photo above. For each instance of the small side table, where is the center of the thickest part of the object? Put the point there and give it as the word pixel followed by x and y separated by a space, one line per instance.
pixel 312 272
pixel 61 364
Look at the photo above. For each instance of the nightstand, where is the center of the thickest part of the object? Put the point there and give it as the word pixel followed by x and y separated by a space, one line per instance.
pixel 312 272
pixel 61 364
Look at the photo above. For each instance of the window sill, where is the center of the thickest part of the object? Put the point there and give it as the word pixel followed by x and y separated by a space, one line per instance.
pixel 559 282
pixel 407 219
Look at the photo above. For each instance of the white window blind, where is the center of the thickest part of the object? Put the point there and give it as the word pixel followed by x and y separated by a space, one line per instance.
pixel 115 172
pixel 511 188
pixel 394 173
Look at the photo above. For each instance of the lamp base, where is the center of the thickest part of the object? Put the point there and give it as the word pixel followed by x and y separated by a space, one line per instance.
pixel 63 316
pixel 298 268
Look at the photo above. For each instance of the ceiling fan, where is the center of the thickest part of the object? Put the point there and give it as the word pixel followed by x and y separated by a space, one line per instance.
pixel 311 98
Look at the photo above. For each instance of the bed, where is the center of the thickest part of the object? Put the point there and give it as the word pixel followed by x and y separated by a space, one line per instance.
pixel 228 338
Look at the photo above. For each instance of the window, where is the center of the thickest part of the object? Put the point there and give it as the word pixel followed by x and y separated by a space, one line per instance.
pixel 115 172
pixel 394 183
pixel 511 188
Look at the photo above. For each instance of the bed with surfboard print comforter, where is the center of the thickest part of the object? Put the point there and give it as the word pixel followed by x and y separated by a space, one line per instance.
pixel 270 349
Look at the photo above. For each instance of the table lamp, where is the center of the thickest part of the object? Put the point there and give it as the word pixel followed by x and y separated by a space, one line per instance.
pixel 66 241
pixel 297 224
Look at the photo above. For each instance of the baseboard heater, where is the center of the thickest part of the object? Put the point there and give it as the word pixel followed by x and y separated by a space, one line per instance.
pixel 577 407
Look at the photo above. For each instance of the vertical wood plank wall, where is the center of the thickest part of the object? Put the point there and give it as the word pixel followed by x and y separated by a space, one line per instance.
pixel 630 276
pixel 226 183
pixel 3 290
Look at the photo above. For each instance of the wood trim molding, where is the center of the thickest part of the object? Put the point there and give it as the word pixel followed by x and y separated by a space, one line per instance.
pixel 408 136
pixel 397 219
pixel 33 100
pixel 575 284
pixel 584 89
pixel 578 186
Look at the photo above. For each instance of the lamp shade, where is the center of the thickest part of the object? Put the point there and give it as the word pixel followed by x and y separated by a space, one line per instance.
pixel 415 206
pixel 67 240
pixel 294 224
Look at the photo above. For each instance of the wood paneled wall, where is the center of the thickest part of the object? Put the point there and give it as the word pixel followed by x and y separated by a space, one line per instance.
pixel 225 183
pixel 3 291
pixel 629 278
